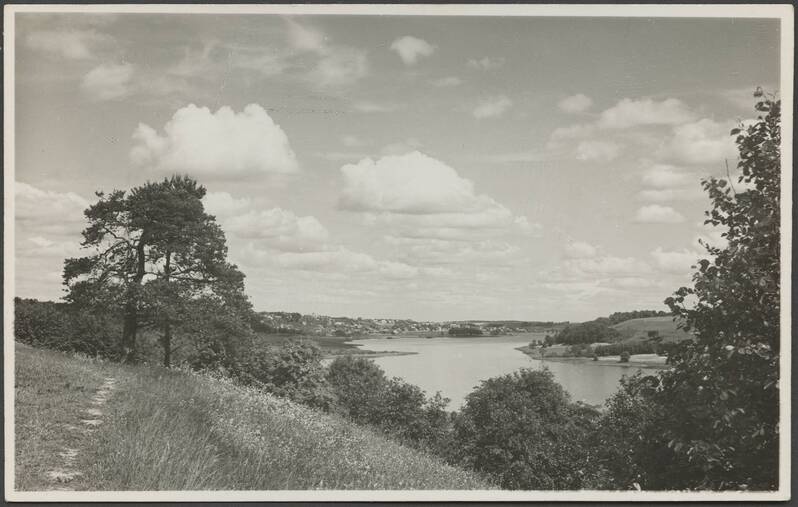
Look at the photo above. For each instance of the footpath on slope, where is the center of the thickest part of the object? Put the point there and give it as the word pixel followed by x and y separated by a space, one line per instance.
pixel 62 476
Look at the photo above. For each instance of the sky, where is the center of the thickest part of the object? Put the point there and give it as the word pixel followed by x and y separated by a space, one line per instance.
pixel 426 167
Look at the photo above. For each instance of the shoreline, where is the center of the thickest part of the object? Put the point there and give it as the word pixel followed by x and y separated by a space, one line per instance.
pixel 371 354
pixel 652 365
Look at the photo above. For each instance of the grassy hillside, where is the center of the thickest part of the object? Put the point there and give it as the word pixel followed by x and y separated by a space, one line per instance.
pixel 638 329
pixel 167 430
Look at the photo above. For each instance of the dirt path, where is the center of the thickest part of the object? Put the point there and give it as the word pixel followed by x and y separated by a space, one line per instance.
pixel 63 475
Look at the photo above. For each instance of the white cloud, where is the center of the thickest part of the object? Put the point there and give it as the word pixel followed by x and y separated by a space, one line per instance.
pixel 665 176
pixel 656 214
pixel 423 197
pixel 575 103
pixel 410 49
pixel 630 113
pixel 108 81
pixel 412 183
pixel 219 145
pixel 46 212
pixel 702 142
pixel 677 262
pixel 671 194
pixel 267 229
pixel 223 205
pixel 337 65
pixel 305 38
pixel 562 136
pixel 70 44
pixel 601 151
pixel 448 81
pixel 580 250
pixel 340 66
pixel 486 63
pixel 492 107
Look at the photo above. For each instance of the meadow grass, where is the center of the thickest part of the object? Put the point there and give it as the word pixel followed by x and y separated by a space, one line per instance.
pixel 637 329
pixel 172 430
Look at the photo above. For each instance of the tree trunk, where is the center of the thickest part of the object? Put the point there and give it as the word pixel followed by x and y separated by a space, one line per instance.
pixel 167 345
pixel 131 324
pixel 166 339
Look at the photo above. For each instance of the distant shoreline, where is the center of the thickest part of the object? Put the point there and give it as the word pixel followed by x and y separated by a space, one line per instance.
pixel 654 365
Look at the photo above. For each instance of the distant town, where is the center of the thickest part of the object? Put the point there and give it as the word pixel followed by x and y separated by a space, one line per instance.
pixel 322 325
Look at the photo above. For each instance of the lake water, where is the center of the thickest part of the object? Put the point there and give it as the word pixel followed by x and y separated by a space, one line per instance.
pixel 455 366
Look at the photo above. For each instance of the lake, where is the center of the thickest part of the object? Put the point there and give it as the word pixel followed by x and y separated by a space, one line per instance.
pixel 455 366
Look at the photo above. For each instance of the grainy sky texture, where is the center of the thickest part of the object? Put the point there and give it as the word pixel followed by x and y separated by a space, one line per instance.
pixel 420 167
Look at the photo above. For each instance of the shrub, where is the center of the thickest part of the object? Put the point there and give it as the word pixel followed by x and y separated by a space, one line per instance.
pixel 364 394
pixel 523 430
pixel 292 370
pixel 625 356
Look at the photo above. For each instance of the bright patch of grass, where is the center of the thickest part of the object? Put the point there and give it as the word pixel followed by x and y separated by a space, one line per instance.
pixel 168 430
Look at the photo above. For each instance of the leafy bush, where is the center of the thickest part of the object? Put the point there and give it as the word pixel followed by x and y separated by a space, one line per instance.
pixel 523 430
pixel 63 327
pixel 292 370
pixel 364 394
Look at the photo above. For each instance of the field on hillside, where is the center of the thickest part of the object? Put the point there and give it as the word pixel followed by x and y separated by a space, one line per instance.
pixel 636 329
pixel 159 429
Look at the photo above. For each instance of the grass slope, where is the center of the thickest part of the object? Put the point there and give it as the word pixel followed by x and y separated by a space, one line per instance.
pixel 170 430
pixel 636 329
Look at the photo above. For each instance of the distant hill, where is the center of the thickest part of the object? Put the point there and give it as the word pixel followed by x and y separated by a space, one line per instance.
pixel 636 329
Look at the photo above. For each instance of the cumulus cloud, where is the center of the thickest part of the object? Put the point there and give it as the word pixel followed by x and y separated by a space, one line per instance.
pixel 492 107
pixel 70 44
pixel 677 262
pixel 656 214
pixel 448 81
pixel 219 145
pixel 267 229
pixel 631 113
pixel 337 65
pixel 423 197
pixel 702 142
pixel 601 151
pixel 486 63
pixel 665 176
pixel 108 81
pixel 412 183
pixel 46 212
pixel 410 49
pixel 580 250
pixel 575 103
pixel 671 194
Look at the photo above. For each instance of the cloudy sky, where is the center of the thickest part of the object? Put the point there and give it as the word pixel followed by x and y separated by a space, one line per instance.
pixel 420 167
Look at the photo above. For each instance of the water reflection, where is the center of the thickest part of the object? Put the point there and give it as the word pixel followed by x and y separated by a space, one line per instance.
pixel 455 366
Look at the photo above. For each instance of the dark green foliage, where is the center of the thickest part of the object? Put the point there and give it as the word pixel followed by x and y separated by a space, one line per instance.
pixel 619 317
pixel 523 430
pixel 65 327
pixel 150 252
pixel 402 410
pixel 39 323
pixel 625 356
pixel 625 438
pixel 587 332
pixel 721 399
pixel 292 370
